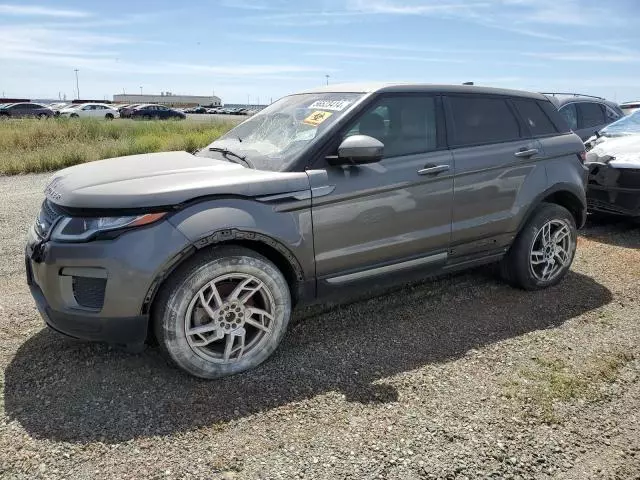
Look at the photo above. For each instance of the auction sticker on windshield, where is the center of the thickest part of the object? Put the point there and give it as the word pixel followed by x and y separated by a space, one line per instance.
pixel 335 105
pixel 316 118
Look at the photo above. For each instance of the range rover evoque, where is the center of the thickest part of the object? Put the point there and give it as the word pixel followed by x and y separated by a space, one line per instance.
pixel 323 191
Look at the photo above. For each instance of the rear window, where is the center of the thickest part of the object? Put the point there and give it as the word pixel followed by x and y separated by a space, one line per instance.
pixel 592 114
pixel 478 120
pixel 533 116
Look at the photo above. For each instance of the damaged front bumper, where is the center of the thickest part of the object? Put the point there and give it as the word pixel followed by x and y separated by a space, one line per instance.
pixel 614 176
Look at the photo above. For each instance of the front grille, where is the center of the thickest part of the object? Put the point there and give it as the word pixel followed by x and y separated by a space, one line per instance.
pixel 89 292
pixel 48 215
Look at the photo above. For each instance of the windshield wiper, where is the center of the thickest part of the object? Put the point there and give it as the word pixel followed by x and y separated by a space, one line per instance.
pixel 226 153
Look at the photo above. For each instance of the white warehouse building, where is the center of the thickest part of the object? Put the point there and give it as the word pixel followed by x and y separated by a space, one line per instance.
pixel 169 99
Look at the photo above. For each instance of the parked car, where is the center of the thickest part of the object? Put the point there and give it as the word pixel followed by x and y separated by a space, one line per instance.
pixel 90 110
pixel 25 110
pixel 613 160
pixel 629 107
pixel 212 251
pixel 125 112
pixel 198 110
pixel 156 112
pixel 213 111
pixel 585 114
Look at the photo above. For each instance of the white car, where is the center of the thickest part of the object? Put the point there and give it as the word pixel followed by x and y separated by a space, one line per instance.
pixel 92 110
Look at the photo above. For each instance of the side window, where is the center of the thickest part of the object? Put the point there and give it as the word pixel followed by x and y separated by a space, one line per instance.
pixel 570 114
pixel 592 114
pixel 479 120
pixel 611 115
pixel 405 124
pixel 556 118
pixel 535 118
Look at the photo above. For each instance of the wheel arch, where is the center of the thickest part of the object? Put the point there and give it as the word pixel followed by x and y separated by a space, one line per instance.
pixel 264 245
pixel 565 195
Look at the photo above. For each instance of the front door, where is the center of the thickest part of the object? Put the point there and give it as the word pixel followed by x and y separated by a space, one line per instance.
pixel 394 215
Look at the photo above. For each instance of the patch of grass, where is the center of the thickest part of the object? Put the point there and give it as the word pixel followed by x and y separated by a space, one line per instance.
pixel 28 145
pixel 550 381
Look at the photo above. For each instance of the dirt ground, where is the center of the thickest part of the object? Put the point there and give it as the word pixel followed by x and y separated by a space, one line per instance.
pixel 458 377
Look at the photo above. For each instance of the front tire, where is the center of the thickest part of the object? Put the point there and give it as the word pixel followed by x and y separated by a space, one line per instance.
pixel 543 251
pixel 224 312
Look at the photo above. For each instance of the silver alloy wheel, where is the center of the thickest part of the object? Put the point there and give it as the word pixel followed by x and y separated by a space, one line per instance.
pixel 552 250
pixel 230 318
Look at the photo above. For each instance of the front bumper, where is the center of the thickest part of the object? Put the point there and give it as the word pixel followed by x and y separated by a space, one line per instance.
pixel 96 290
pixel 614 190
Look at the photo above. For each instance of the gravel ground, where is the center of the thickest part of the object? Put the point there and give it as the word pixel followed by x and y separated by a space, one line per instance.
pixel 460 377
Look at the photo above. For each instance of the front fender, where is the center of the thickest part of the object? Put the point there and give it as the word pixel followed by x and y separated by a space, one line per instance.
pixel 210 221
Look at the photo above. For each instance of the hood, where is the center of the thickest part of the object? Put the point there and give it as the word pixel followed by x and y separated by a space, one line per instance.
pixel 618 152
pixel 163 179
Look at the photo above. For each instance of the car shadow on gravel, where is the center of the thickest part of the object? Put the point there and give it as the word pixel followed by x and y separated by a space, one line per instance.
pixel 61 389
pixel 613 230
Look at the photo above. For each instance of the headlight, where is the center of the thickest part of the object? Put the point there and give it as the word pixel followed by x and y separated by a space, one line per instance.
pixel 75 229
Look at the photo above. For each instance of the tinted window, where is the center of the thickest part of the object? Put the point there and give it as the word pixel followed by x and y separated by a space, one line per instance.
pixel 534 117
pixel 478 120
pixel 556 118
pixel 405 124
pixel 592 114
pixel 611 115
pixel 570 114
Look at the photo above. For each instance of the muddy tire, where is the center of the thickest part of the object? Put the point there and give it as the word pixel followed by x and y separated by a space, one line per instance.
pixel 223 312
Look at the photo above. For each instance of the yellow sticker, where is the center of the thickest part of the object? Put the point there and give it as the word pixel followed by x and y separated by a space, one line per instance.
pixel 316 118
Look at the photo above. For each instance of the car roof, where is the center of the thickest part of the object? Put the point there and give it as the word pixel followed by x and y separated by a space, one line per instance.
pixel 561 99
pixel 379 87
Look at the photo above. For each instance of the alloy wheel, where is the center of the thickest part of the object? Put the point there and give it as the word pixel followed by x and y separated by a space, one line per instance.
pixel 552 250
pixel 230 318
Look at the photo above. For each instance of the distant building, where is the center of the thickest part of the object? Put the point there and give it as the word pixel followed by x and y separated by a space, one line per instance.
pixel 169 99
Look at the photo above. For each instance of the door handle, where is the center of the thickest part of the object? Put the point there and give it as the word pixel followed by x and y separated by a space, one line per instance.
pixel 433 169
pixel 527 153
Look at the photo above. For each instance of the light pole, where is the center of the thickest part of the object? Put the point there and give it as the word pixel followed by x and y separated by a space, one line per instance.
pixel 77 84
pixel 141 91
pixel 327 77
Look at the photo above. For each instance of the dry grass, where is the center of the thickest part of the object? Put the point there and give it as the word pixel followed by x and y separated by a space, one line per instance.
pixel 37 146
pixel 550 381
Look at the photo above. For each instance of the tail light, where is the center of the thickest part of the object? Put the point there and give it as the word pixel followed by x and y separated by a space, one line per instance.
pixel 582 156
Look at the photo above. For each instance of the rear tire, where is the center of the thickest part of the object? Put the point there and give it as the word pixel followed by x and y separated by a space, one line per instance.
pixel 543 251
pixel 223 312
pixel 109 116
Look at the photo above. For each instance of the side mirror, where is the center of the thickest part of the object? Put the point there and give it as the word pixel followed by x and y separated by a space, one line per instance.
pixel 358 150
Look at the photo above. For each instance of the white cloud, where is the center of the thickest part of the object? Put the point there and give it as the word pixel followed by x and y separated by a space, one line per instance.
pixel 40 11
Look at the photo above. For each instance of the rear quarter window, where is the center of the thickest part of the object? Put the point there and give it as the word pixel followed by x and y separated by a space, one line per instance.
pixel 481 120
pixel 558 120
pixel 535 118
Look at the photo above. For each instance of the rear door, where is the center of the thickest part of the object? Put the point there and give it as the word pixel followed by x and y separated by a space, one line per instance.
pixel 392 216
pixel 495 158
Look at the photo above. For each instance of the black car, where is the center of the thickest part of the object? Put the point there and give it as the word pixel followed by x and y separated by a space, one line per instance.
pixel 196 110
pixel 585 114
pixel 25 110
pixel 156 112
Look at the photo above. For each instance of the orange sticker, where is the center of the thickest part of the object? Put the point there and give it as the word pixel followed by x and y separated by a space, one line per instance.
pixel 316 118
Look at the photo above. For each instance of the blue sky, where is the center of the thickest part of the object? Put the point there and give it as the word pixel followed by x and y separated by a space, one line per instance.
pixel 264 49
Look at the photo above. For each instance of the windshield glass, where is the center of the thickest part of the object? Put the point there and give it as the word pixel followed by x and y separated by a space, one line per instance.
pixel 629 125
pixel 273 138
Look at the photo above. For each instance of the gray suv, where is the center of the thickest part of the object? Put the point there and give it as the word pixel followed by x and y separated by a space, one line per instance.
pixel 320 193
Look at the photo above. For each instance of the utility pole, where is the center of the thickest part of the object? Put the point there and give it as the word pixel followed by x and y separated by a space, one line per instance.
pixel 140 90
pixel 77 84
pixel 327 76
pixel 248 99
